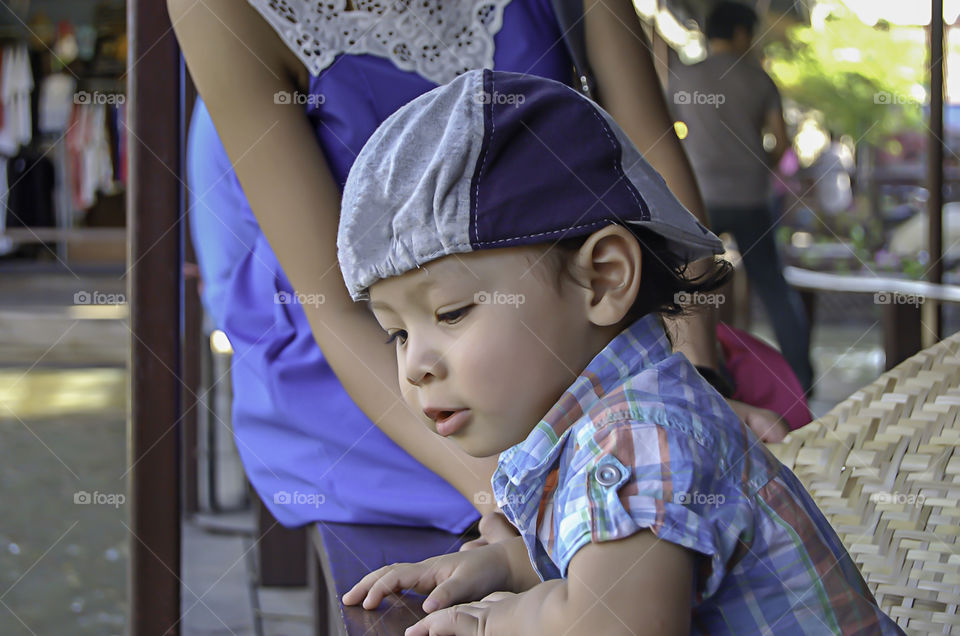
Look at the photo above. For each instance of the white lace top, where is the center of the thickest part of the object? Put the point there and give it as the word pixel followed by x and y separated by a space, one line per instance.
pixel 437 39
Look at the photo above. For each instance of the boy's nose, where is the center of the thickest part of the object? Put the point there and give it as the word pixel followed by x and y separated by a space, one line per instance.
pixel 422 363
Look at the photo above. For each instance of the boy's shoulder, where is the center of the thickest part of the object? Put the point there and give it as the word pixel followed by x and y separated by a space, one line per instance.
pixel 662 451
pixel 667 424
pixel 669 394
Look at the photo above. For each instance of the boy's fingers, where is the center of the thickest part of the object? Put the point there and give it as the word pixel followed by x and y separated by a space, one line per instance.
pixel 392 581
pixel 359 591
pixel 442 623
pixel 449 592
pixel 472 545
pixel 369 588
pixel 419 577
pixel 461 620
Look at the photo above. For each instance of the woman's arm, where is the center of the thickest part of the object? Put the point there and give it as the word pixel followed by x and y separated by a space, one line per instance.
pixel 628 88
pixel 239 64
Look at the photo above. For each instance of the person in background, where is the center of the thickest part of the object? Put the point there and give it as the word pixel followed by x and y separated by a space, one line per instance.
pixel 728 103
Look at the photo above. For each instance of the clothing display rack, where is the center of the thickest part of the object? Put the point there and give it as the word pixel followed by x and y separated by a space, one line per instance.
pixel 62 130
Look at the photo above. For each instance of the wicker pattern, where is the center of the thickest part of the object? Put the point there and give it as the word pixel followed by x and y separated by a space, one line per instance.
pixel 883 467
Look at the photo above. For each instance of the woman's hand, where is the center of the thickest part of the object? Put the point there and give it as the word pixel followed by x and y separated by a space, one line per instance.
pixel 494 527
pixel 448 578
pixel 766 424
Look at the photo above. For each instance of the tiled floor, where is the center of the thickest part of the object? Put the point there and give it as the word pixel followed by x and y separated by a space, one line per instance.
pixel 219 571
pixel 62 426
pixel 63 549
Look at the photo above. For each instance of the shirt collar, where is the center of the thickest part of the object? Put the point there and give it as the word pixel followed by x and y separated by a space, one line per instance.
pixel 642 344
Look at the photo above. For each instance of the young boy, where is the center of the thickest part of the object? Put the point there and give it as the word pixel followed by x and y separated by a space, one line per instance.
pixel 518 249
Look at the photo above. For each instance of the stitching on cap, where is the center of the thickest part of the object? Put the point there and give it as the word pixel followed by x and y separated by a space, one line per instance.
pixel 566 229
pixel 618 168
pixel 483 160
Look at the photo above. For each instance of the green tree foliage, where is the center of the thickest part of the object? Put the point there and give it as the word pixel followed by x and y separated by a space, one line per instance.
pixel 863 80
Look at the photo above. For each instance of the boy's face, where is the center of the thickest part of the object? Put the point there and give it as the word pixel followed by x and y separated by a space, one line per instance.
pixel 482 334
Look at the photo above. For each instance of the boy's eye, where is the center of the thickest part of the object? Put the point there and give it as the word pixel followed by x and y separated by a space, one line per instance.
pixel 455 315
pixel 396 334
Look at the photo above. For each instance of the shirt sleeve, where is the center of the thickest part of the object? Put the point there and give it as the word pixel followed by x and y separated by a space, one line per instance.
pixel 645 475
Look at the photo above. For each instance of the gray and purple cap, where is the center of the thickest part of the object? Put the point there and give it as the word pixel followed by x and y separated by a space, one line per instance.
pixel 497 159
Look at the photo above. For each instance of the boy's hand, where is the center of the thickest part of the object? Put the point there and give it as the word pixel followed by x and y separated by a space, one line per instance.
pixel 473 619
pixel 494 527
pixel 766 424
pixel 448 578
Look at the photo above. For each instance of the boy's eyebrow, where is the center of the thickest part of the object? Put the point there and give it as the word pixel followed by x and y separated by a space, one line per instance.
pixel 426 282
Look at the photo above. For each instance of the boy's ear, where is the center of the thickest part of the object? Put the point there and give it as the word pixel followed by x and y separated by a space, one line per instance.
pixel 608 268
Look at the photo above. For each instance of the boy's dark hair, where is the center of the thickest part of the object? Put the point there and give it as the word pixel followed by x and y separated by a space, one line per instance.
pixel 726 17
pixel 663 279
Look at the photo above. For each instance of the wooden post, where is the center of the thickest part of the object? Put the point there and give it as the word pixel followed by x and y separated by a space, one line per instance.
pixel 153 282
pixel 192 321
pixel 934 313
pixel 901 332
pixel 282 551
pixel 320 592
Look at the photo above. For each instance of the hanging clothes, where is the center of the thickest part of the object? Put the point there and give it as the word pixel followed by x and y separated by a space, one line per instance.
pixel 16 85
pixel 56 101
pixel 88 153
pixel 30 194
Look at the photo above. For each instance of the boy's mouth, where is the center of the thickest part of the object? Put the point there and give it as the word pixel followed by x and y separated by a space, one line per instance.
pixel 448 421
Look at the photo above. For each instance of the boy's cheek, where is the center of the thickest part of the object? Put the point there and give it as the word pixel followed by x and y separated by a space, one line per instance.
pixel 409 395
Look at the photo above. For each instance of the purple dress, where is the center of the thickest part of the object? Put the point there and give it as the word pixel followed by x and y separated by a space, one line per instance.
pixel 309 451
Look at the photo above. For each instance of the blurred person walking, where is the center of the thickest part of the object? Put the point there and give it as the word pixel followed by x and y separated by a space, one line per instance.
pixel 728 102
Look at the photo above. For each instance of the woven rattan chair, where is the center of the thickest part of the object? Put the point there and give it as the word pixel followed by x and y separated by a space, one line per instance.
pixel 883 466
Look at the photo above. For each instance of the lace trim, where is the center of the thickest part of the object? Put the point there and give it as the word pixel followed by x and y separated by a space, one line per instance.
pixel 439 39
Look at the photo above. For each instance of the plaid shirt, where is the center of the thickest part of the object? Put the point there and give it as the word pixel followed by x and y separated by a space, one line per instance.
pixel 640 440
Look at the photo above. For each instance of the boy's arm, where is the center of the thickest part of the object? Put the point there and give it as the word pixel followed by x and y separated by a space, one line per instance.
pixel 637 585
pixel 522 575
pixel 628 88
